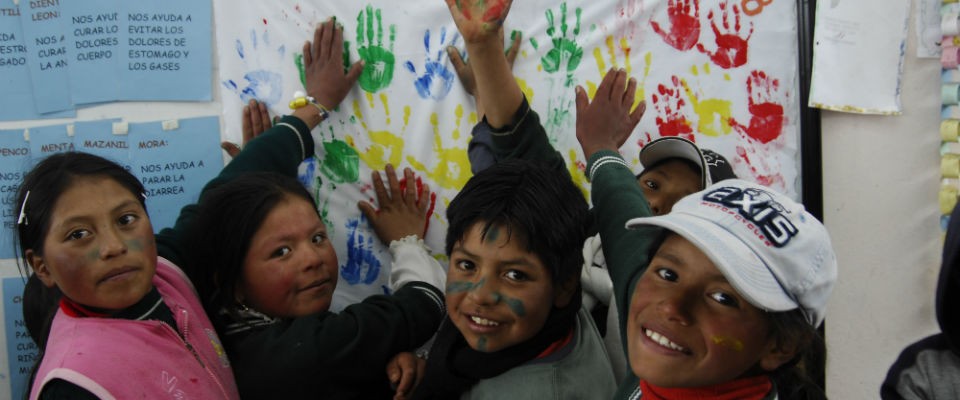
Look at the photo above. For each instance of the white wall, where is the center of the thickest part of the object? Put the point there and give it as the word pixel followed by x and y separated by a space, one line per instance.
pixel 881 177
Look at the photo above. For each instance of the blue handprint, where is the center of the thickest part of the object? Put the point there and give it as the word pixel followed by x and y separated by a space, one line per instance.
pixel 261 83
pixel 362 265
pixel 437 79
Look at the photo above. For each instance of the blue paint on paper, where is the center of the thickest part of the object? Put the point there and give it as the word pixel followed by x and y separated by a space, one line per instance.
pixel 437 79
pixel 306 177
pixel 362 265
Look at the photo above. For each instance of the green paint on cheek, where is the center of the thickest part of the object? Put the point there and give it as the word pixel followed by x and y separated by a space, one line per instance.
pixel 482 344
pixel 458 287
pixel 135 245
pixel 730 342
pixel 493 233
pixel 93 254
pixel 516 306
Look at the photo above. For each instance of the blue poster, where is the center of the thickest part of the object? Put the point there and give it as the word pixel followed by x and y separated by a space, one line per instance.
pixel 46 46
pixel 16 98
pixel 174 162
pixel 93 45
pixel 97 137
pixel 165 50
pixel 22 353
pixel 47 140
pixel 14 160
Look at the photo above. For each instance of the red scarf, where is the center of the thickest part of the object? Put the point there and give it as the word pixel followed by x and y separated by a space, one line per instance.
pixel 75 310
pixel 753 388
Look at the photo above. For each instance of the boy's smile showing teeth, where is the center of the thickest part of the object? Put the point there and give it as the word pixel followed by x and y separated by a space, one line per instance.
pixel 663 341
pixel 483 321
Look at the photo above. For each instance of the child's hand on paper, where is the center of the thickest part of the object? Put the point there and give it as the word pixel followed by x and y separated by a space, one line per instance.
pixel 256 120
pixel 606 122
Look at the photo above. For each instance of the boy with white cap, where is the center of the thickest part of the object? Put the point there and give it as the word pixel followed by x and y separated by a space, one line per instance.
pixel 723 294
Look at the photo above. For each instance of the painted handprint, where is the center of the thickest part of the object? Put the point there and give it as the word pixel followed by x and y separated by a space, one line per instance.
pixel 362 265
pixel 378 60
pixel 683 27
pixel 766 114
pixel 451 166
pixel 713 114
pixel 761 162
pixel 341 163
pixel 437 78
pixel 732 42
pixel 624 46
pixel 386 147
pixel 669 103
pixel 566 53
pixel 261 82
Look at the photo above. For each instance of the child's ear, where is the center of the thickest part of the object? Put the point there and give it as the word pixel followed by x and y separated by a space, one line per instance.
pixel 777 355
pixel 565 291
pixel 39 267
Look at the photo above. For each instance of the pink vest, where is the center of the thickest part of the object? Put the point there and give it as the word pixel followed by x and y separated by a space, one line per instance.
pixel 127 359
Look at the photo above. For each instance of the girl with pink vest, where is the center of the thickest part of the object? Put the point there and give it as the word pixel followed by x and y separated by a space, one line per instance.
pixel 128 323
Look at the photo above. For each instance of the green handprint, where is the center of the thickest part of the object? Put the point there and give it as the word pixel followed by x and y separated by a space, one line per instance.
pixel 378 61
pixel 565 53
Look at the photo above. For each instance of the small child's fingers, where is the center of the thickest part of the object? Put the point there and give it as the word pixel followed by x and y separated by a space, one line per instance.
pixel 637 113
pixel 368 211
pixel 307 55
pixel 410 191
pixel 514 48
pixel 582 100
pixel 630 93
pixel 423 202
pixel 231 148
pixel 382 197
pixel 354 73
pixel 619 85
pixel 393 182
pixel 603 91
pixel 456 59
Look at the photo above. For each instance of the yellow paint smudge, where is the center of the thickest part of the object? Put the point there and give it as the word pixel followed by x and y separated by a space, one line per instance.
pixel 406 117
pixel 452 167
pixel 526 89
pixel 386 106
pixel 713 114
pixel 369 97
pixel 473 118
pixel 458 115
pixel 730 342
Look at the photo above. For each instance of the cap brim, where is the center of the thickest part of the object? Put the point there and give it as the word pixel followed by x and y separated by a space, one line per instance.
pixel 745 271
pixel 675 147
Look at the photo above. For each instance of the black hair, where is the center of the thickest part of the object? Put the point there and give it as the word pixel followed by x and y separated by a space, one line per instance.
pixel 45 183
pixel 540 207
pixel 227 218
pixel 796 379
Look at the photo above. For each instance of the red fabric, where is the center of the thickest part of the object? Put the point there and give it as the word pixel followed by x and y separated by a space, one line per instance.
pixel 77 311
pixel 556 345
pixel 753 388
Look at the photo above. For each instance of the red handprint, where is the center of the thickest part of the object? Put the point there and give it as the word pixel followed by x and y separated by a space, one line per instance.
pixel 670 119
pixel 761 163
pixel 766 119
pixel 731 45
pixel 684 16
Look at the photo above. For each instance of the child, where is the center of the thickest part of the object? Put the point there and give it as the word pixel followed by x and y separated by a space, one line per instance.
pixel 928 369
pixel 125 315
pixel 266 271
pixel 695 294
pixel 515 328
pixel 673 166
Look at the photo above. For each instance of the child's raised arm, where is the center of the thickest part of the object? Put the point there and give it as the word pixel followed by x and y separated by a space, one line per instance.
pixel 480 22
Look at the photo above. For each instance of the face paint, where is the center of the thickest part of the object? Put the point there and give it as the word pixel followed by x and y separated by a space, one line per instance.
pixel 460 286
pixel 516 306
pixel 135 245
pixel 482 344
pixel 728 342
pixel 493 234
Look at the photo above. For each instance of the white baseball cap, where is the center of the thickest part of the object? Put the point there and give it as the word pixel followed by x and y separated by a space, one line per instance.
pixel 675 147
pixel 775 254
